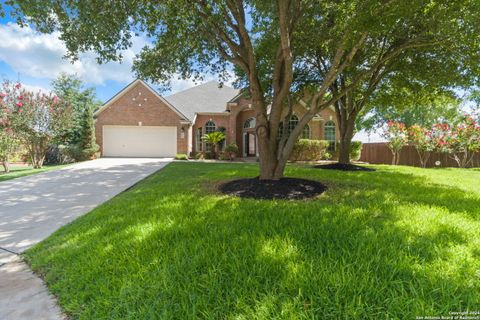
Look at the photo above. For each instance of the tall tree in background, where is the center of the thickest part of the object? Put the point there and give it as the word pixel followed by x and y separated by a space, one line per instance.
pixel 412 108
pixel 80 138
pixel 269 41
pixel 87 145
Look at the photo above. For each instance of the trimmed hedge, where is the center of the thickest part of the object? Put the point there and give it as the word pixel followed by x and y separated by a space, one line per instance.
pixel 355 150
pixel 309 150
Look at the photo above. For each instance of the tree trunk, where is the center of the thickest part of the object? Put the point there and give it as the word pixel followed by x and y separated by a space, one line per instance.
pixel 344 152
pixel 37 152
pixel 424 156
pixel 272 158
pixel 345 143
pixel 346 115
pixel 394 159
pixel 268 160
pixel 6 166
pixel 214 151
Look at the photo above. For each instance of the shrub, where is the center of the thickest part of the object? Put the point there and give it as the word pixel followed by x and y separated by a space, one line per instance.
pixel 202 155
pixel 355 150
pixel 213 139
pixel 224 156
pixel 60 154
pixel 327 156
pixel 181 156
pixel 308 150
pixel 231 150
pixel 396 135
pixel 209 155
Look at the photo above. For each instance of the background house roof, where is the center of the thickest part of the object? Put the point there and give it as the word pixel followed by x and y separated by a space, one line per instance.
pixel 207 97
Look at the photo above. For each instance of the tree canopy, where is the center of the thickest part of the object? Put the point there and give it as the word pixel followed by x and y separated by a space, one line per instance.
pixel 329 52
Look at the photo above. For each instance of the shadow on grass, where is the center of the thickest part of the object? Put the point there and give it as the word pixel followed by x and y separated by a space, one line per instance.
pixel 169 249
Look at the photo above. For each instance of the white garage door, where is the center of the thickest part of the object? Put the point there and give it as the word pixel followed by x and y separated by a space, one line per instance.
pixel 133 141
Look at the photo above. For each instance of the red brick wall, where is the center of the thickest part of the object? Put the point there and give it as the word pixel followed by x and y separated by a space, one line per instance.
pixel 152 112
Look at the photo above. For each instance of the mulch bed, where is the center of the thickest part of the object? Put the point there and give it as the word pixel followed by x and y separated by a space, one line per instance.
pixel 343 167
pixel 285 188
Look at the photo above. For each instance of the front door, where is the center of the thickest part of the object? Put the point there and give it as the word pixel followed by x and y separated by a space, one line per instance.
pixel 249 145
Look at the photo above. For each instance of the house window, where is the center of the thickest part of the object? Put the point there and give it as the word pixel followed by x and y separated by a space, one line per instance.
pixel 306 132
pixel 210 127
pixel 198 140
pixel 292 123
pixel 223 130
pixel 329 134
pixel 250 123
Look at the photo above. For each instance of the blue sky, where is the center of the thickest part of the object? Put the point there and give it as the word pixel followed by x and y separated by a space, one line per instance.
pixel 36 59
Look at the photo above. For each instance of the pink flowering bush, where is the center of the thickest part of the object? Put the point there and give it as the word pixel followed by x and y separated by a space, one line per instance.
pixel 423 141
pixel 34 118
pixel 460 141
pixel 464 141
pixel 397 136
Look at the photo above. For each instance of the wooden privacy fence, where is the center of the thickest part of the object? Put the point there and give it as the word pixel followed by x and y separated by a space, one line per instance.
pixel 379 153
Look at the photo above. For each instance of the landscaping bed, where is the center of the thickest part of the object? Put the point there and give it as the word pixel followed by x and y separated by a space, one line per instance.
pixel 285 188
pixel 343 167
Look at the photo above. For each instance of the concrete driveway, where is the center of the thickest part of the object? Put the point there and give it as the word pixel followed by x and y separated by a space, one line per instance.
pixel 33 207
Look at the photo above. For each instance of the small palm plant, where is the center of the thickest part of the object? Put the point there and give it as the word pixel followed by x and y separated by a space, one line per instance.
pixel 214 140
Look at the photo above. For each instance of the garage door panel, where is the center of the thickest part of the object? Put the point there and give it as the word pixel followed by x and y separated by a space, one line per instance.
pixel 139 141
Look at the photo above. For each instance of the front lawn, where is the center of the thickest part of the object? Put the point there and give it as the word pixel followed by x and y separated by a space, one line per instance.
pixel 21 171
pixel 392 244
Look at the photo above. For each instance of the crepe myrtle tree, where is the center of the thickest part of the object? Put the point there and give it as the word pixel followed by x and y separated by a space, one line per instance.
pixel 267 41
pixel 396 135
pixel 35 118
pixel 463 141
pixel 421 139
pixel 8 140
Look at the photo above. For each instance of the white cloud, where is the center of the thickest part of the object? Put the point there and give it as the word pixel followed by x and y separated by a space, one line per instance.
pixel 41 56
pixel 370 136
pixel 34 88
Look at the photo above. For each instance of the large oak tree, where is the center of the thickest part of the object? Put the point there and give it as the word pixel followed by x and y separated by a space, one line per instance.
pixel 269 41
pixel 410 50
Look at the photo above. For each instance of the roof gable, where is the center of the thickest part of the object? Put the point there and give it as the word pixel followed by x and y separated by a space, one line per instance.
pixel 130 87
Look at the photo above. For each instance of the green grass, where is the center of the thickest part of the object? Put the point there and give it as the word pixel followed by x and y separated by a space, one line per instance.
pixel 21 171
pixel 393 244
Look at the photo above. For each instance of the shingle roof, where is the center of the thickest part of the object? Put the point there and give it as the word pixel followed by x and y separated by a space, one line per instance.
pixel 207 97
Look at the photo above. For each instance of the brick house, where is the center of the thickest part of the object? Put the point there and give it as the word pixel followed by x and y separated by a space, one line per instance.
pixel 138 122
